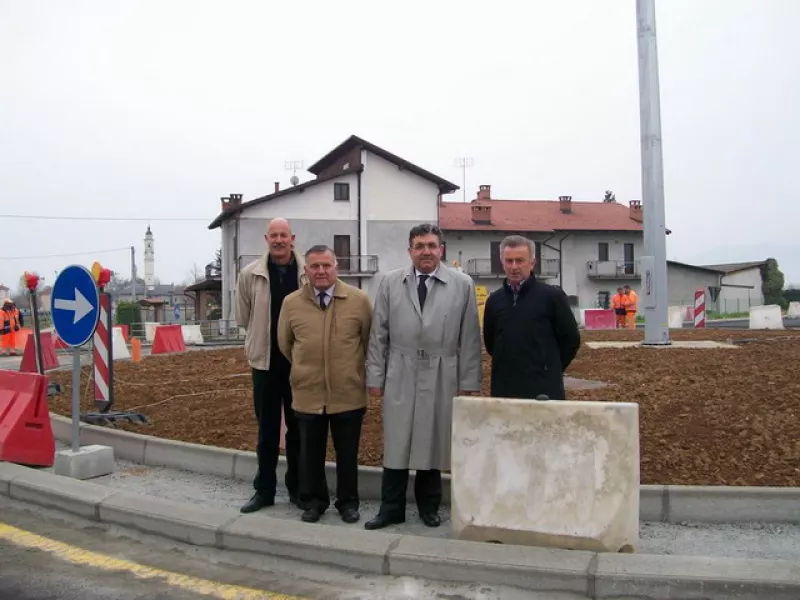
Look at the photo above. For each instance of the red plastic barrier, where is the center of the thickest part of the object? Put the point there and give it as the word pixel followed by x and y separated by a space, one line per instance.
pixel 49 358
pixel 26 436
pixel 168 339
pixel 59 343
pixel 126 331
pixel 600 319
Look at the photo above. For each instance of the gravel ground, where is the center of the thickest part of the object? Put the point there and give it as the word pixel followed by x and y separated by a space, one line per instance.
pixel 741 540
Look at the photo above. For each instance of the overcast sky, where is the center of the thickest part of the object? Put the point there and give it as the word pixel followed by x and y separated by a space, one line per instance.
pixel 153 110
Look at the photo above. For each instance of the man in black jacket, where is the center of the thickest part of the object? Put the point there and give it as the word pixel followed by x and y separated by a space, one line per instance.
pixel 528 328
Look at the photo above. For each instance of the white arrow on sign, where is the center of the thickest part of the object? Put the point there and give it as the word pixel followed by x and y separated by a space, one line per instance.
pixel 80 306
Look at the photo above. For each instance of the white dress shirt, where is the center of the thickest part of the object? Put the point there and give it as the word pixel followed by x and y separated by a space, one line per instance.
pixel 328 295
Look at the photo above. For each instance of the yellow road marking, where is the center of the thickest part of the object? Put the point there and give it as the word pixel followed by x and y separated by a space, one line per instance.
pixel 79 556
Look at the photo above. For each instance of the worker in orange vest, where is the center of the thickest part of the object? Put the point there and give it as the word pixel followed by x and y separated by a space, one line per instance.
pixel 10 322
pixel 618 303
pixel 631 306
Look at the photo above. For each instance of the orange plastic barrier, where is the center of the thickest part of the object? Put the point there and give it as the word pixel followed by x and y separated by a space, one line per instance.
pixel 22 337
pixel 26 436
pixel 49 358
pixel 168 339
pixel 126 331
pixel 600 319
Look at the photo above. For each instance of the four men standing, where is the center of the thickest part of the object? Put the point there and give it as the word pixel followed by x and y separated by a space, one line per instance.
pixel 316 348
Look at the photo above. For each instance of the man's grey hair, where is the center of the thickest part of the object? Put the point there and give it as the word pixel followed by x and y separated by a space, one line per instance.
pixel 320 249
pixel 517 241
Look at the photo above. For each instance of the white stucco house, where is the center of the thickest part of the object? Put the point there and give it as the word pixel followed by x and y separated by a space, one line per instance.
pixel 362 203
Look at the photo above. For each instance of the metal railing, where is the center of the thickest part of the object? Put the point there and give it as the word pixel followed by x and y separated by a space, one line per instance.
pixel 358 264
pixel 613 269
pixel 546 268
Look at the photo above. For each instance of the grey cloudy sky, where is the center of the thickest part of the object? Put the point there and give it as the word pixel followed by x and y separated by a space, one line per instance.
pixel 151 109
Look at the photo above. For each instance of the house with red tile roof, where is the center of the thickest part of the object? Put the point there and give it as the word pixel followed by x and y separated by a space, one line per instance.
pixel 588 248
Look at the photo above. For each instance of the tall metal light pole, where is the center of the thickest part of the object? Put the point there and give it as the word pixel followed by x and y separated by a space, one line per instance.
pixel 654 263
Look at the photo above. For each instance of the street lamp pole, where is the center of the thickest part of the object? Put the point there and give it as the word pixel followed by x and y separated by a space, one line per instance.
pixel 654 296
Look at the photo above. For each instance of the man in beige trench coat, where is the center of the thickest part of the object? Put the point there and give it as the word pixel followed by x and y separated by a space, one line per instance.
pixel 424 349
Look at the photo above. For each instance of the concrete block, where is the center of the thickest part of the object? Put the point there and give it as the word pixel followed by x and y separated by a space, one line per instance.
pixel 794 310
pixel 8 472
pixel 529 568
pixel 189 523
pixel 766 317
pixel 189 457
pixel 348 547
pixel 562 474
pixel 62 493
pixel 657 577
pixel 119 347
pixel 87 462
pixel 723 504
pixel 675 316
pixel 653 503
pixel 192 335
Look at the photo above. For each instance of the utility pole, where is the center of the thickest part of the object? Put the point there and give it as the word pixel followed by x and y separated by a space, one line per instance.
pixel 133 274
pixel 464 163
pixel 654 263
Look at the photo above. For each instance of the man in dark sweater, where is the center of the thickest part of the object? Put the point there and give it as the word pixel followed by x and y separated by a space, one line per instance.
pixel 528 329
pixel 260 291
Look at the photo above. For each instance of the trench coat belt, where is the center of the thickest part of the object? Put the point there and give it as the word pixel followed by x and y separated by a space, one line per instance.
pixel 421 353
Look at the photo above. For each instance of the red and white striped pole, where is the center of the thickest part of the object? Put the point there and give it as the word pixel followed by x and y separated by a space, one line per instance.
pixel 103 355
pixel 700 309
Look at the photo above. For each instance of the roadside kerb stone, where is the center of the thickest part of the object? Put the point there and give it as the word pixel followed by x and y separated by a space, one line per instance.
pixel 189 457
pixel 694 578
pixel 354 548
pixel 712 504
pixel 59 492
pixel 674 504
pixel 184 522
pixel 527 567
pixel 8 472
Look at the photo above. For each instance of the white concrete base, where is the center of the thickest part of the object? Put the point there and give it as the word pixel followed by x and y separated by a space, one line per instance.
pixel 120 348
pixel 690 344
pixel 766 317
pixel 88 462
pixel 560 474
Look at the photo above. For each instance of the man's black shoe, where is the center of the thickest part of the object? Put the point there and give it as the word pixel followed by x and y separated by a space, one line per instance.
pixel 350 515
pixel 312 515
pixel 430 518
pixel 257 502
pixel 297 502
pixel 381 521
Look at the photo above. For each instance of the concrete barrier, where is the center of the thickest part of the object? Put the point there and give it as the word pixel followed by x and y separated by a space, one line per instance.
pixel 119 347
pixel 766 317
pixel 562 474
pixel 192 335
pixel 676 316
pixel 794 310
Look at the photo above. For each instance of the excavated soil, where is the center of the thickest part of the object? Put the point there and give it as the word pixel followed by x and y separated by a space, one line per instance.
pixel 707 417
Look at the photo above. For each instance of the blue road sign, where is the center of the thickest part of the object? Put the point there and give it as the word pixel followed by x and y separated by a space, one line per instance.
pixel 76 305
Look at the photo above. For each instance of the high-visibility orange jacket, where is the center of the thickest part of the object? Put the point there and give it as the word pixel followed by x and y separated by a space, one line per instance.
pixel 633 302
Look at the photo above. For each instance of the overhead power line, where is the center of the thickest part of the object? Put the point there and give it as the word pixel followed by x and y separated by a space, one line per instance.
pixel 125 249
pixel 69 218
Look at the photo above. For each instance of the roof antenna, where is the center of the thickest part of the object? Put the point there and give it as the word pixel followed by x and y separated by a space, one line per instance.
pixel 293 165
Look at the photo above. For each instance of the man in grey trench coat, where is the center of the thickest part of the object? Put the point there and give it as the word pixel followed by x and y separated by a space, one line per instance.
pixel 424 348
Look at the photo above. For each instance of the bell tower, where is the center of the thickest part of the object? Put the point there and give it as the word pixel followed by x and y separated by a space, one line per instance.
pixel 149 261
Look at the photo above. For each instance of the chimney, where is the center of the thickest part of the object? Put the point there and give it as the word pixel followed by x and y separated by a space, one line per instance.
pixel 565 204
pixel 277 186
pixel 481 214
pixel 232 202
pixel 636 210
pixel 485 192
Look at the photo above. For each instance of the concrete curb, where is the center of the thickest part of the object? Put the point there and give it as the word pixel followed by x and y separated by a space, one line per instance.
pixel 596 576
pixel 664 503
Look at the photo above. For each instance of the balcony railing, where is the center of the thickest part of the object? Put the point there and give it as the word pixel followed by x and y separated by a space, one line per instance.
pixel 613 269
pixel 365 264
pixel 546 268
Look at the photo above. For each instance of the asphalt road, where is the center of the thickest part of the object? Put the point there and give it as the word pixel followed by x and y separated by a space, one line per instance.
pixel 48 555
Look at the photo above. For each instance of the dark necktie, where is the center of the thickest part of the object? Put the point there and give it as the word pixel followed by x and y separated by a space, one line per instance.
pixel 422 291
pixel 322 301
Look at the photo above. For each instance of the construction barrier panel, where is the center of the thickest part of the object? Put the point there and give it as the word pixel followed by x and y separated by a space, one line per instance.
pixel 120 349
pixel 700 309
pixel 168 339
pixel 546 473
pixel 126 331
pixel 49 358
pixel 192 334
pixel 597 318
pixel 675 316
pixel 150 332
pixel 794 310
pixel 21 339
pixel 766 317
pixel 26 436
